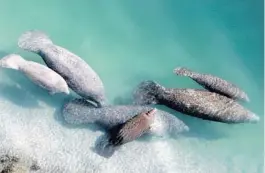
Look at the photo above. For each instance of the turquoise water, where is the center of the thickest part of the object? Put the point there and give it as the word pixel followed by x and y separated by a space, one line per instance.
pixel 126 42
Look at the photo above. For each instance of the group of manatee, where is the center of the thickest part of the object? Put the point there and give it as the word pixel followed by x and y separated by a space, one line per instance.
pixel 125 123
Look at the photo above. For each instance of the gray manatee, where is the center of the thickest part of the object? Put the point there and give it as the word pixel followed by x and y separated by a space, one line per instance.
pixel 214 84
pixel 121 123
pixel 79 76
pixel 37 73
pixel 194 102
pixel 79 112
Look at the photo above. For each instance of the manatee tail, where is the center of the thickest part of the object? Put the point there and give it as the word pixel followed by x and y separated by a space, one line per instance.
pixel 12 61
pixel 147 92
pixel 182 71
pixel 33 41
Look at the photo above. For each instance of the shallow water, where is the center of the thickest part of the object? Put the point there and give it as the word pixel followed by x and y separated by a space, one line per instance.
pixel 125 43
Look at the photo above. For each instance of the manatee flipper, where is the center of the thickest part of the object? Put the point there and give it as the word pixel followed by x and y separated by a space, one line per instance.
pixel 146 93
pixel 12 61
pixel 33 41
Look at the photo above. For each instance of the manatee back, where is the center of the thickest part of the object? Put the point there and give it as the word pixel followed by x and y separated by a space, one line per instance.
pixel 208 105
pixel 114 115
pixel 79 76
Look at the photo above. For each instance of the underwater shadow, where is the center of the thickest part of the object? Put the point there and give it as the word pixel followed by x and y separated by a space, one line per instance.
pixel 102 148
pixel 18 95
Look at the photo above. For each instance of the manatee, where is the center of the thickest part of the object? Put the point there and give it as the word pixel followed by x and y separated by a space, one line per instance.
pixel 80 77
pixel 214 84
pixel 80 112
pixel 39 74
pixel 198 103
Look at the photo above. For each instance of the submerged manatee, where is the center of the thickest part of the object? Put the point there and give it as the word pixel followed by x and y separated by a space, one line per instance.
pixel 214 84
pixel 37 73
pixel 194 102
pixel 80 112
pixel 79 76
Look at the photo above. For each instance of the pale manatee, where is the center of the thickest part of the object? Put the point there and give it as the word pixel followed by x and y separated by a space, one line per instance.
pixel 39 74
